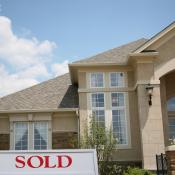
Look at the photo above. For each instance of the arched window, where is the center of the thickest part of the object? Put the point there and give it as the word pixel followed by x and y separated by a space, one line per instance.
pixel 171 117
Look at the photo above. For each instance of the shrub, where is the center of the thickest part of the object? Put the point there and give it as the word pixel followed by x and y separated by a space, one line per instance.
pixel 136 171
pixel 99 138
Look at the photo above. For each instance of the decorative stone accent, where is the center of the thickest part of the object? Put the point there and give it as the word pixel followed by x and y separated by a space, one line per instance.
pixel 170 154
pixel 4 141
pixel 64 140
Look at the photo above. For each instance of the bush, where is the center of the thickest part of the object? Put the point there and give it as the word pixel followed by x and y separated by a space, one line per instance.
pixel 136 171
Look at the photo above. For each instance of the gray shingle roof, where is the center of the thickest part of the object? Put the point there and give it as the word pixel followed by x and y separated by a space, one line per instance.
pixel 58 92
pixel 52 94
pixel 117 55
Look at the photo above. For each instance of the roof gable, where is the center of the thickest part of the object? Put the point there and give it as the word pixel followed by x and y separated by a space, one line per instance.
pixel 155 38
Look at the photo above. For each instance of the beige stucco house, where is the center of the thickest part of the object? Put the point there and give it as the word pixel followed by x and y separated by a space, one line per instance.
pixel 130 88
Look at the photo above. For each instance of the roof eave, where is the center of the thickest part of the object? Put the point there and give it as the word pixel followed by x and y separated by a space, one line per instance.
pixel 38 110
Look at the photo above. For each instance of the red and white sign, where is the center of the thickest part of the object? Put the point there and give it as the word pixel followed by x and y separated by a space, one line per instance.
pixel 62 162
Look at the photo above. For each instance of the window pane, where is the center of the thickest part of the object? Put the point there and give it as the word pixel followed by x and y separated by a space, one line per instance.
pixel 40 135
pixel 21 135
pixel 171 104
pixel 119 126
pixel 171 121
pixel 98 100
pixel 99 117
pixel 96 79
pixel 117 99
pixel 117 79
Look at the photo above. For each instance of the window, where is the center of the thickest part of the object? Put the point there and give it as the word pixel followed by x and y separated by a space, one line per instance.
pixel 117 79
pixel 40 135
pixel 21 136
pixel 119 123
pixel 97 100
pixel 171 104
pixel 171 121
pixel 96 80
pixel 25 138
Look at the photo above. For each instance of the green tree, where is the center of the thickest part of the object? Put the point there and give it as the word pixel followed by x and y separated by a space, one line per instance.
pixel 96 136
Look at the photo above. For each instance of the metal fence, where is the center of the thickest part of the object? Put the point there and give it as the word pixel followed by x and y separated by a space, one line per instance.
pixel 161 164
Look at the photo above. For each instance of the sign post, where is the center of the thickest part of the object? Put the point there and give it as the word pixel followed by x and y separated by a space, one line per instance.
pixel 49 162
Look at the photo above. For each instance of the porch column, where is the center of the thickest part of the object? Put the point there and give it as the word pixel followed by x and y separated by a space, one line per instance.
pixel 151 127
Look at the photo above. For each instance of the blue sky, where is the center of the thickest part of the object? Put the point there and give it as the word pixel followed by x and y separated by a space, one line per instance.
pixel 70 30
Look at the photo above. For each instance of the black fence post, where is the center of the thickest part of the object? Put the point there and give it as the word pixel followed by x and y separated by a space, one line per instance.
pixel 162 163
pixel 157 164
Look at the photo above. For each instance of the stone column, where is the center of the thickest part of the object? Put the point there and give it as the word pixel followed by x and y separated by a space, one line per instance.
pixel 151 127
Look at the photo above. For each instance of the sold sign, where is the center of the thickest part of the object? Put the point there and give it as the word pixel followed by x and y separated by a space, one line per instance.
pixel 43 161
pixel 49 162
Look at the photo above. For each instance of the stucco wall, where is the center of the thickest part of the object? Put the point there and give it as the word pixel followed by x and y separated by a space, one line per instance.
pixel 64 121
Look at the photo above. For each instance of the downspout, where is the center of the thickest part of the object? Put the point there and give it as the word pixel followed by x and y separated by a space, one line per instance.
pixel 78 117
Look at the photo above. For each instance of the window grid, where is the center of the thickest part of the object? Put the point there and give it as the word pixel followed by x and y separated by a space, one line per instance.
pixel 117 79
pixel 40 135
pixel 96 80
pixel 119 123
pixel 97 104
pixel 21 135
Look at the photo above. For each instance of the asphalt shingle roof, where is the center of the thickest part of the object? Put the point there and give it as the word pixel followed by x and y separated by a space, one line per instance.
pixel 117 55
pixel 58 92
pixel 52 94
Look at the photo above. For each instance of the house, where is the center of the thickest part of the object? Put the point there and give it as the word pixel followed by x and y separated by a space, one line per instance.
pixel 131 88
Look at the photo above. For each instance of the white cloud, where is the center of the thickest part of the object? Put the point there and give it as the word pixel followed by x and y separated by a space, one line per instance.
pixel 22 52
pixel 60 68
pixel 13 82
pixel 34 71
pixel 24 60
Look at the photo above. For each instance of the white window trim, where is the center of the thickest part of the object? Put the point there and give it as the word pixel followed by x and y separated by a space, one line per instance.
pixel 98 108
pixel 108 113
pixel 29 118
pixel 124 80
pixel 127 120
pixel 33 138
pixel 89 80
pixel 14 135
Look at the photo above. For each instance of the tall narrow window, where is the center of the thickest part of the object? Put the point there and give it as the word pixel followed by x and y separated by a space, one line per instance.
pixel 96 80
pixel 21 135
pixel 117 79
pixel 40 135
pixel 119 122
pixel 97 100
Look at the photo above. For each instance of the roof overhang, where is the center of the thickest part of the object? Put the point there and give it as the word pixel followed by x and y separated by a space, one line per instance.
pixel 38 110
